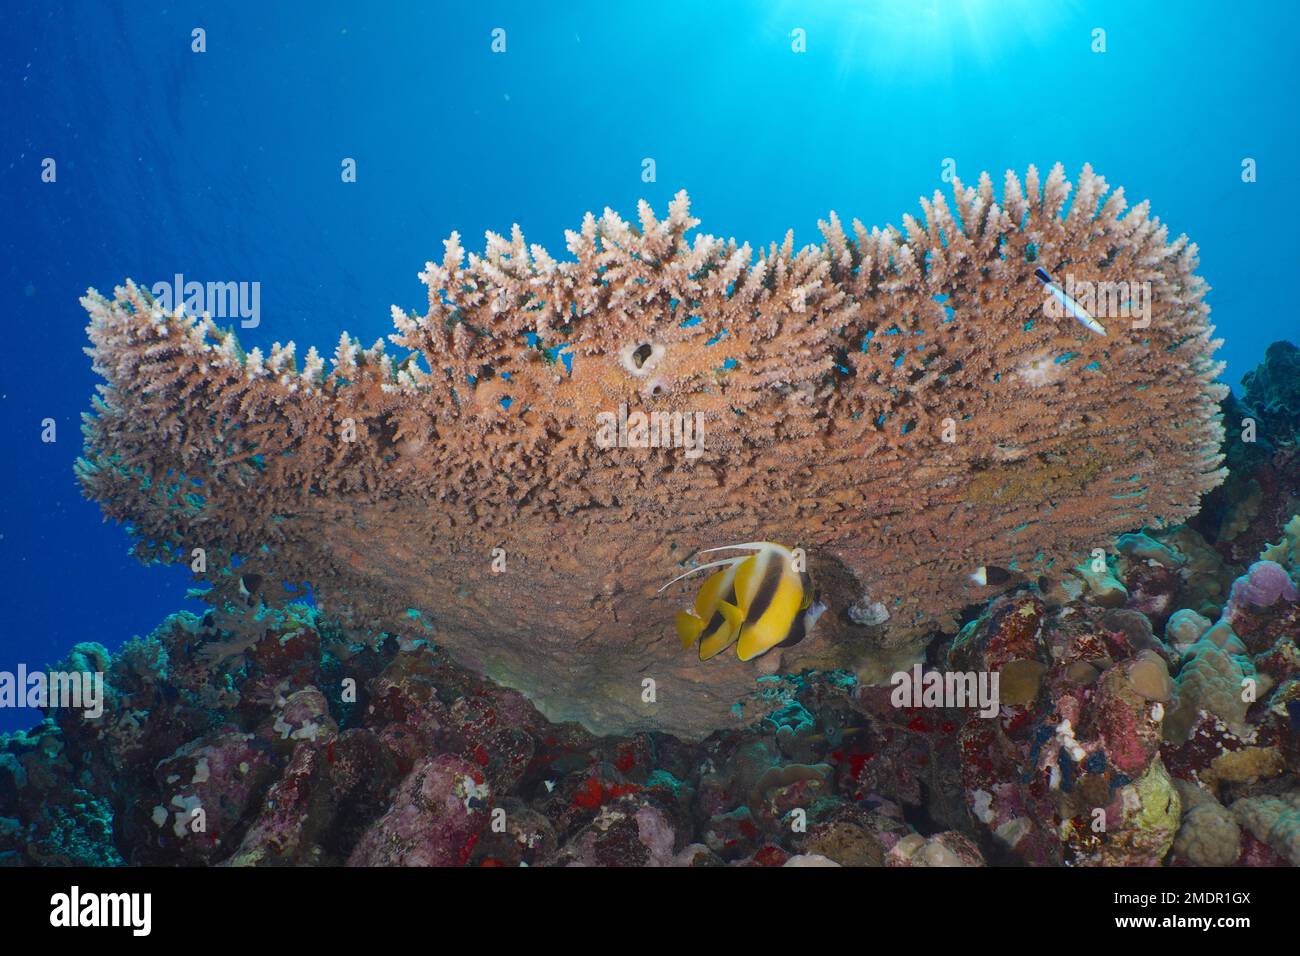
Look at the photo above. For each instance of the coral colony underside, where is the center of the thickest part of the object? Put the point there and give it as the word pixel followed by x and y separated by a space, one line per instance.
pixel 487 645
pixel 895 403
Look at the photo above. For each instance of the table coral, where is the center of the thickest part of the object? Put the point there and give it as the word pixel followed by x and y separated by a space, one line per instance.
pixel 432 763
pixel 855 397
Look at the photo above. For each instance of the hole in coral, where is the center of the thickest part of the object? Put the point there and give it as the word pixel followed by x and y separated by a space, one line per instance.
pixel 640 359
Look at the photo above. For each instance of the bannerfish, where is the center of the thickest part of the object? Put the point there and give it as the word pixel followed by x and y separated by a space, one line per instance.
pixel 1069 304
pixel 248 585
pixel 989 576
pixel 757 602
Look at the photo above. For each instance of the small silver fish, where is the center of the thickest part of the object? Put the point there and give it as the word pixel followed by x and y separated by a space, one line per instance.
pixel 1074 308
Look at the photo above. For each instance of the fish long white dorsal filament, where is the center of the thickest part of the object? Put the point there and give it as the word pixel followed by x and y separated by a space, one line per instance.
pixel 725 563
pixel 750 546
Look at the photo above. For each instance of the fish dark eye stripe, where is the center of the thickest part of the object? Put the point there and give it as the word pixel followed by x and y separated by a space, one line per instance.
pixel 711 628
pixel 772 571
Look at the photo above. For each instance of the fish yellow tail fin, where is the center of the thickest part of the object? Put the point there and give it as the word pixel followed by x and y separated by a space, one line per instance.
pixel 688 628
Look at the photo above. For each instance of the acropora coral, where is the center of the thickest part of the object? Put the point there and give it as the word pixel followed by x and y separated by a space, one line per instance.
pixel 425 763
pixel 296 738
pixel 896 401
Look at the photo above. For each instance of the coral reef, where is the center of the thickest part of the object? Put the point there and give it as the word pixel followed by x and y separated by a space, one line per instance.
pixel 1211 680
pixel 1272 393
pixel 1208 834
pixel 1274 821
pixel 855 397
pixel 323 744
pixel 1243 515
pixel 331 748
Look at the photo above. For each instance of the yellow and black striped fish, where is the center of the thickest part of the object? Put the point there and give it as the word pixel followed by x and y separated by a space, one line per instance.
pixel 757 602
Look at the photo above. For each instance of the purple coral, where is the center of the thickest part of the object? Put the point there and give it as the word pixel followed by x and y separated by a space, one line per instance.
pixel 1261 586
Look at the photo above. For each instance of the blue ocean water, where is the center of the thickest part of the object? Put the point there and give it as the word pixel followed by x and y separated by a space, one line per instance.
pixel 225 165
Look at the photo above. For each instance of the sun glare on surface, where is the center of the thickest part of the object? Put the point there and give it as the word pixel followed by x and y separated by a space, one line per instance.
pixel 917 39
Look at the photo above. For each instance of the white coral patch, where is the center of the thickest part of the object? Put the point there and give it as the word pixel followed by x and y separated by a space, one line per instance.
pixel 1013 831
pixel 1065 736
pixel 1041 370
pixel 308 731
pixel 473 791
pixel 186 812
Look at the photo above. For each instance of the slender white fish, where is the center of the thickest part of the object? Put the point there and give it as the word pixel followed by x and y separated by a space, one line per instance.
pixel 1074 308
